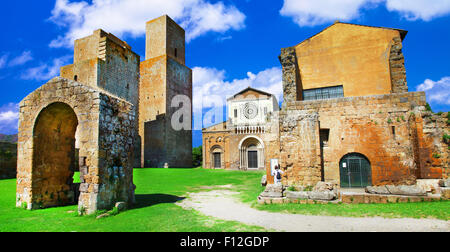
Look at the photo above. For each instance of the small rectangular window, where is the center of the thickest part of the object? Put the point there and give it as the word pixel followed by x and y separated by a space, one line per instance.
pixel 323 93
pixel 265 111
pixel 324 136
pixel 235 113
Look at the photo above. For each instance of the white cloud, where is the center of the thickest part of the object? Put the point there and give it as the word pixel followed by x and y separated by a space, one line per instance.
pixel 210 89
pixel 437 92
pixel 419 9
pixel 9 118
pixel 317 12
pixel 128 17
pixel 311 13
pixel 20 60
pixel 3 60
pixel 46 71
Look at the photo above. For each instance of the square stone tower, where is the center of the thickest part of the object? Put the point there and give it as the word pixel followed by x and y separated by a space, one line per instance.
pixel 165 80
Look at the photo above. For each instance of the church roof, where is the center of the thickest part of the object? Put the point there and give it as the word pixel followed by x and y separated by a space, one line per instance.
pixel 250 89
pixel 402 32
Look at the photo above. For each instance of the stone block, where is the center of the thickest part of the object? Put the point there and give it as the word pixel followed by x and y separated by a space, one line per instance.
pixel 84 187
pixel 325 195
pixel 121 206
pixel 271 194
pixel 445 192
pixel 412 190
pixel 297 195
pixel 377 190
pixel 358 199
pixel 264 180
pixel 277 201
pixel 325 186
pixel 444 182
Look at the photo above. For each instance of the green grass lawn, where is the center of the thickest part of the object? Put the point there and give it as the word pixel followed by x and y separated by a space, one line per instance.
pixel 155 210
pixel 157 190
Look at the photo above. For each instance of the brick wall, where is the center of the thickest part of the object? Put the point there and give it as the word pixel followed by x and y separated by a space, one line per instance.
pixel 379 127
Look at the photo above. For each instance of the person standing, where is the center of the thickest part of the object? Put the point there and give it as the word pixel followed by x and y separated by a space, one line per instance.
pixel 277 174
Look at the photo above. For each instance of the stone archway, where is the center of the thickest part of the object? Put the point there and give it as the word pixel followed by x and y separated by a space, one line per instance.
pixel 251 153
pixel 54 156
pixel 51 119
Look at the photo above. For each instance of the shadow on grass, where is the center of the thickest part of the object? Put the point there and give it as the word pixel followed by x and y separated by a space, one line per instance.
pixel 146 200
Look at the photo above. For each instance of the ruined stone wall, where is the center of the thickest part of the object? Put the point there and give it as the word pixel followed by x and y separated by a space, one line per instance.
pixel 119 73
pixel 431 147
pixel 292 84
pixel 8 160
pixel 397 67
pixel 43 135
pixel 117 133
pixel 379 127
pixel 103 61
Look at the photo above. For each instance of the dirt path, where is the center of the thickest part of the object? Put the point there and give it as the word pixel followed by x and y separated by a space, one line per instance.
pixel 223 205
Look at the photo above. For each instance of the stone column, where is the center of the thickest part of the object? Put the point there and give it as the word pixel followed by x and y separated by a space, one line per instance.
pixel 292 90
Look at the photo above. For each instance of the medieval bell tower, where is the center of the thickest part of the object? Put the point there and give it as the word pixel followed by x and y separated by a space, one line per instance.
pixel 164 80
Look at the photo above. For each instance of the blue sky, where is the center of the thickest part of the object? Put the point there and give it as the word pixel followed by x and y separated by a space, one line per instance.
pixel 231 44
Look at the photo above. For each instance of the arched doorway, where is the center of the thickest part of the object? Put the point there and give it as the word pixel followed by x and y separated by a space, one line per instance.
pixel 54 155
pixel 355 171
pixel 251 153
pixel 216 157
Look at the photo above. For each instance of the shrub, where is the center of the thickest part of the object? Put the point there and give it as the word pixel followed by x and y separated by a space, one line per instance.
pixel 428 107
pixel 446 138
pixel 292 188
pixel 308 188
pixel 197 156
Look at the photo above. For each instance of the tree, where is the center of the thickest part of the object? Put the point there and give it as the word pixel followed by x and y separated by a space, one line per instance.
pixel 197 156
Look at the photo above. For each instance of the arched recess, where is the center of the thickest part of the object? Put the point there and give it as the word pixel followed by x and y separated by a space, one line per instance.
pixel 54 155
pixel 217 157
pixel 355 171
pixel 251 153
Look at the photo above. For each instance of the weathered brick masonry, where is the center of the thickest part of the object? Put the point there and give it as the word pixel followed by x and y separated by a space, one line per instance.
pixel 380 127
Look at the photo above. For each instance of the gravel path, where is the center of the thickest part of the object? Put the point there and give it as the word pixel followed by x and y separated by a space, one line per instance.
pixel 223 205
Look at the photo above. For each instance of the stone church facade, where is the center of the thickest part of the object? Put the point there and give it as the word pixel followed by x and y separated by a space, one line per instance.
pixel 245 141
pixel 94 117
pixel 347 116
